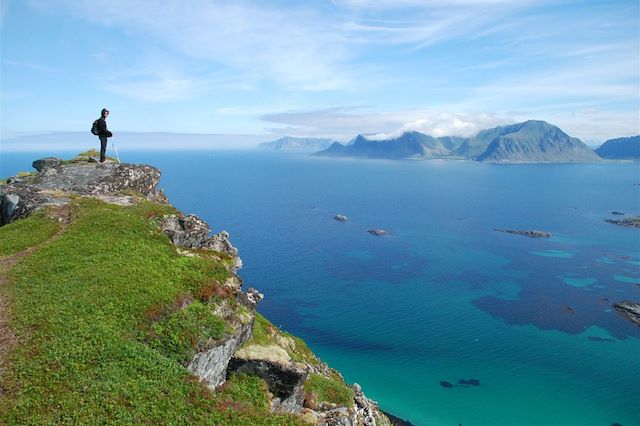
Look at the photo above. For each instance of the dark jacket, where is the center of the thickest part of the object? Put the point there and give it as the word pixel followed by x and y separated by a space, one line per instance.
pixel 102 128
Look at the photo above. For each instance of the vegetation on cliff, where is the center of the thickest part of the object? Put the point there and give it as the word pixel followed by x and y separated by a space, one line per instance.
pixel 98 276
pixel 117 308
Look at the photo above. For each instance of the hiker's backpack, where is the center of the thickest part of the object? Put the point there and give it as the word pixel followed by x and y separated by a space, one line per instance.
pixel 94 128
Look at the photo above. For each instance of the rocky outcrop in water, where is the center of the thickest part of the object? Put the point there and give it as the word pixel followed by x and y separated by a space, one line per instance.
pixel 631 310
pixel 630 221
pixel 532 234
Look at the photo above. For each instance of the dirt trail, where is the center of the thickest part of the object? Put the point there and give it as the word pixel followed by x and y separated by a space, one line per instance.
pixel 7 337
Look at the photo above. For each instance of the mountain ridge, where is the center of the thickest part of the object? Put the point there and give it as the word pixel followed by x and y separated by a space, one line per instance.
pixel 627 148
pixel 294 143
pixel 532 141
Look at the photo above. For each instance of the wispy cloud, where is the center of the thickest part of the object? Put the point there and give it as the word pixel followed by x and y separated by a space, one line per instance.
pixel 293 46
pixel 29 65
pixel 344 122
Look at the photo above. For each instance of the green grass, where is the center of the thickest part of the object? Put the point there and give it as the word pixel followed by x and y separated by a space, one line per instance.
pixel 250 389
pixel 83 157
pixel 180 335
pixel 25 233
pixel 81 305
pixel 264 334
pixel 331 389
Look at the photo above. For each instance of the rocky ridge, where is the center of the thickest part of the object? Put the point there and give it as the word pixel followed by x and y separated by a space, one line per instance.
pixel 282 360
pixel 528 142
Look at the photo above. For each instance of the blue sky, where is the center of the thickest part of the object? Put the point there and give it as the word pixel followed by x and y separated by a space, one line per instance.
pixel 320 68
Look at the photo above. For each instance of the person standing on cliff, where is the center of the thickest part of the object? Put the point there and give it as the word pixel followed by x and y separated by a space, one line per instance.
pixel 103 133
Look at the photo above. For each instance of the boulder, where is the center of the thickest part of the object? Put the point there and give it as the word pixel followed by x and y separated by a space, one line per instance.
pixel 631 310
pixel 284 379
pixel 45 163
pixel 211 365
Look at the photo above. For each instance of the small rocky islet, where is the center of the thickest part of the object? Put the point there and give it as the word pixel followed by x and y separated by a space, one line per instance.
pixel 629 221
pixel 378 232
pixel 630 309
pixel 465 383
pixel 528 233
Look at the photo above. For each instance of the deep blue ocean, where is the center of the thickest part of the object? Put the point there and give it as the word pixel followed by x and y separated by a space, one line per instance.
pixel 444 321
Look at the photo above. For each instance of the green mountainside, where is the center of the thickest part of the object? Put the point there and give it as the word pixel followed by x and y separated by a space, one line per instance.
pixel 528 142
pixel 115 308
pixel 408 145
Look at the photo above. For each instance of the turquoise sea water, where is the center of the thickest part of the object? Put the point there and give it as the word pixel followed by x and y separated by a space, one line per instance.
pixel 443 298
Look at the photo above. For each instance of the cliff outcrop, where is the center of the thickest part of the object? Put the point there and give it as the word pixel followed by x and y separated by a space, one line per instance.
pixel 208 327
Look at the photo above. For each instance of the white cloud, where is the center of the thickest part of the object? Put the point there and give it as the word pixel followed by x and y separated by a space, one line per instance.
pixel 293 47
pixel 344 122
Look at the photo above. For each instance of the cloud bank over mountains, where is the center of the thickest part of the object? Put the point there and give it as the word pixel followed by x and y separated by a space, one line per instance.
pixel 316 68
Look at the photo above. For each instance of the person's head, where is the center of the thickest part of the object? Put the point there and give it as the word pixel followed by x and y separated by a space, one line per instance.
pixel 104 113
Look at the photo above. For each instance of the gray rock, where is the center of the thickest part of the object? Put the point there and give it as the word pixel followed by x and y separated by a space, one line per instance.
pixel 378 232
pixel 211 365
pixel 630 221
pixel 251 298
pixel 45 163
pixel 285 381
pixel 532 234
pixel 55 184
pixel 631 310
pixel 339 417
pixel 192 232
pixel 341 218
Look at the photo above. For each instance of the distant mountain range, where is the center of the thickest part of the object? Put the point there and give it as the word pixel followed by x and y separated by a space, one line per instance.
pixel 621 149
pixel 528 142
pixel 290 143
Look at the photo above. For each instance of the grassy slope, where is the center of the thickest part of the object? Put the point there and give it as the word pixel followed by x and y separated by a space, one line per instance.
pixel 329 388
pixel 81 307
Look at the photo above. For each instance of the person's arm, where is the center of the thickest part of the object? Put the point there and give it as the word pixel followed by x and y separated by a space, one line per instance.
pixel 102 128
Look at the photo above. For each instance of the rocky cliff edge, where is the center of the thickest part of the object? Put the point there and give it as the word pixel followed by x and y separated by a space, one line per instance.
pixel 297 381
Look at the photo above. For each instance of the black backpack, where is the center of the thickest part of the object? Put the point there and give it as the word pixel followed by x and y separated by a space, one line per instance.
pixel 94 128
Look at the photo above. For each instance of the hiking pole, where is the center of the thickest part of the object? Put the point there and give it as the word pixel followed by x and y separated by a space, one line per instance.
pixel 116 149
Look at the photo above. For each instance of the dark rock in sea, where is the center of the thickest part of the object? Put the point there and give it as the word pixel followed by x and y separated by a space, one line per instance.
pixel 469 382
pixel 600 339
pixel 616 424
pixel 631 310
pixel 446 384
pixel 532 234
pixel 569 310
pixel 630 221
pixel 341 218
pixel 378 231
pixel 615 212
